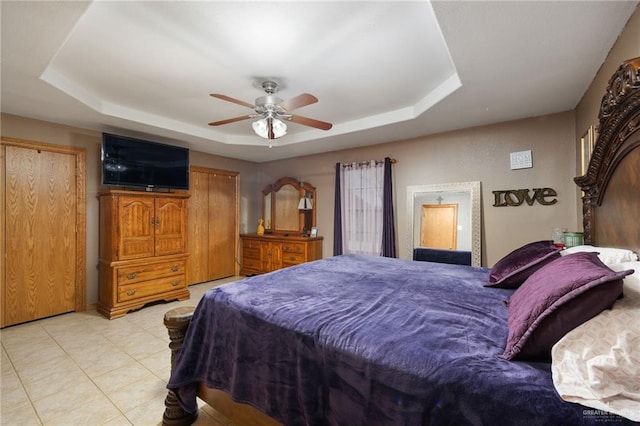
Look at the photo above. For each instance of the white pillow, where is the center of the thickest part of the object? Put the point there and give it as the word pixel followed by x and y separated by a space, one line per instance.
pixel 608 255
pixel 597 363
pixel 633 279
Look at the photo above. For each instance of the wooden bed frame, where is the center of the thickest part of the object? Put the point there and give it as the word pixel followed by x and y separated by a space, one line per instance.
pixel 611 202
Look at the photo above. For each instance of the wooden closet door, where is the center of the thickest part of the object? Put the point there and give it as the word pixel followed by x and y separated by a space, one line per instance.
pixel 40 240
pixel 223 233
pixel 213 224
pixel 198 225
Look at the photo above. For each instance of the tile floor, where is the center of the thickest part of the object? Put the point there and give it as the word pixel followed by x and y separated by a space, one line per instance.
pixel 81 369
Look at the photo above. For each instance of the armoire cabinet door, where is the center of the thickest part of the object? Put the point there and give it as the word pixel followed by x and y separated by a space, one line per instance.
pixel 136 215
pixel 170 227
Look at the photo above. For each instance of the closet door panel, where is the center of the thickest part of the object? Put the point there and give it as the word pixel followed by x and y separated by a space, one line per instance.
pixel 198 223
pixel 222 225
pixel 213 224
pixel 40 226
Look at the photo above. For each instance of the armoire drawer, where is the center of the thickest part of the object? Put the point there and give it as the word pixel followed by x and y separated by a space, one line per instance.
pixel 139 273
pixel 155 287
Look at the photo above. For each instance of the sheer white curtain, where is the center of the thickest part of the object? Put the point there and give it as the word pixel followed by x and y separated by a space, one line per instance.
pixel 362 192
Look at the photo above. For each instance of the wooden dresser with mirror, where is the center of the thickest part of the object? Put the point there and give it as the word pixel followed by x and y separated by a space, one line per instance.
pixel 286 241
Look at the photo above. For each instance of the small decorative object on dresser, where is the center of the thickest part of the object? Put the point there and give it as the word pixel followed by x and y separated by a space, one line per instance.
pixel 260 230
pixel 143 244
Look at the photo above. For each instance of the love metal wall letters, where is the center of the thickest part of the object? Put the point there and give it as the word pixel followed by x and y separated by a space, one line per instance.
pixel 515 197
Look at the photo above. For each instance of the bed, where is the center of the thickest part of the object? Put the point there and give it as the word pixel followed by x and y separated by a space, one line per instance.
pixel 358 340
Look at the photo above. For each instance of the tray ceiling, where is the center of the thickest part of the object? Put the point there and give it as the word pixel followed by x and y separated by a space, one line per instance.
pixel 382 71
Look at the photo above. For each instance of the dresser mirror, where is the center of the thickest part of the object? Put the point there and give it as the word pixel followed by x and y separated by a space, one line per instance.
pixel 464 199
pixel 281 201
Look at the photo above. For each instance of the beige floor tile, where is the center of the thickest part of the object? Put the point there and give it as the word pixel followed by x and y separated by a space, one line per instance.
pixel 138 393
pixel 30 353
pixel 102 361
pixel 78 344
pixel 12 393
pixel 142 344
pixel 148 414
pixel 123 376
pixel 159 362
pixel 56 405
pixel 5 363
pixel 58 380
pixel 83 369
pixel 23 415
pixel 164 374
pixel 94 412
pixel 42 371
pixel 18 334
pixel 121 420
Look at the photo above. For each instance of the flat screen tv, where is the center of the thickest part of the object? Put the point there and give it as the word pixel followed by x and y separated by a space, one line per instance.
pixel 130 162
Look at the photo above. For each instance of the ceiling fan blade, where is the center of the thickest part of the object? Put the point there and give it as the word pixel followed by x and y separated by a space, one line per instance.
pixel 233 100
pixel 299 101
pixel 230 120
pixel 322 125
pixel 270 134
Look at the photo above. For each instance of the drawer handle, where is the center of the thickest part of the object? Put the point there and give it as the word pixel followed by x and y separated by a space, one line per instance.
pixel 175 268
pixel 132 275
pixel 175 283
pixel 292 258
pixel 131 292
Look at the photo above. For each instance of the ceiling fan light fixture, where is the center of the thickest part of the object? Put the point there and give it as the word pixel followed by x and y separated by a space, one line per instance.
pixel 261 127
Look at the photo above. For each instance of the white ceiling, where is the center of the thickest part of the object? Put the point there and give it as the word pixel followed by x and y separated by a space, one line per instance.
pixel 382 71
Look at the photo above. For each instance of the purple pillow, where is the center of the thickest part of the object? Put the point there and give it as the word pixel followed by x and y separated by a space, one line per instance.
pixel 556 299
pixel 517 266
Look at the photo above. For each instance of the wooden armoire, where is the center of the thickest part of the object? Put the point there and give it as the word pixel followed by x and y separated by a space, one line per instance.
pixel 143 249
pixel 43 217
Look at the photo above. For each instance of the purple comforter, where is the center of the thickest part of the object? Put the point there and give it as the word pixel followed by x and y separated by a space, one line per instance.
pixel 361 340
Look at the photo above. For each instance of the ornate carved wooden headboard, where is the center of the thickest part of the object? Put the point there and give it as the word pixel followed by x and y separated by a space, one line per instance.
pixel 611 200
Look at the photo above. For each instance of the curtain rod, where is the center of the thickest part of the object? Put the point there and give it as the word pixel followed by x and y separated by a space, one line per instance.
pixel 364 163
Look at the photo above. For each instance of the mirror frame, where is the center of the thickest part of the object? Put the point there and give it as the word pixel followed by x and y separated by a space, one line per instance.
pixel 473 188
pixel 302 188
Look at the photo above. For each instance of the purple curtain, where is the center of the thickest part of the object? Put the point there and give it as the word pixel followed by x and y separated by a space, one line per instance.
pixel 388 229
pixel 337 215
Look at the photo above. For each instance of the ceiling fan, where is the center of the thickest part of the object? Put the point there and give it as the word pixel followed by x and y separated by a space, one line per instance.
pixel 272 110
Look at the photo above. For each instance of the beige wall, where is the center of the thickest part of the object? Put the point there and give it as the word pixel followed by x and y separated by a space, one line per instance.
pixel 41 131
pixel 476 154
pixel 626 47
pixel 480 153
